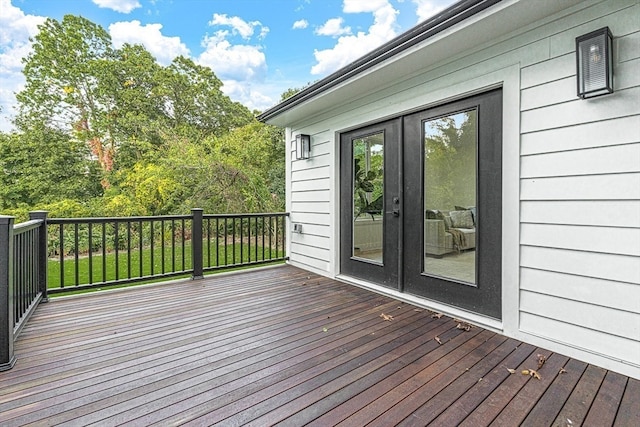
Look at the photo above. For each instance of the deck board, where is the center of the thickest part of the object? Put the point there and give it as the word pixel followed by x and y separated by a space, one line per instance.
pixel 282 346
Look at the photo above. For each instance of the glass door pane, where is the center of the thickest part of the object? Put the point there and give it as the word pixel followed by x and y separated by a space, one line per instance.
pixel 368 197
pixel 450 232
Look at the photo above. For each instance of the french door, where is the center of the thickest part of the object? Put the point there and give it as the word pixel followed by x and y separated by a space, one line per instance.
pixel 421 203
pixel 370 203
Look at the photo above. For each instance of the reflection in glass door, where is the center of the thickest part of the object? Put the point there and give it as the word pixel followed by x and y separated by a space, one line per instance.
pixel 450 169
pixel 368 197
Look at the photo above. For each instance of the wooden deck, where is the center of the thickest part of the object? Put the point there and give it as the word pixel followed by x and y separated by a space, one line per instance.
pixel 283 346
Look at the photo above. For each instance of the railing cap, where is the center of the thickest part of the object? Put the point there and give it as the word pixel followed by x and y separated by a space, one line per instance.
pixel 38 214
pixel 6 219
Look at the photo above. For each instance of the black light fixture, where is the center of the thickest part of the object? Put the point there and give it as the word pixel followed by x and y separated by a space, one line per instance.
pixel 303 146
pixel 595 63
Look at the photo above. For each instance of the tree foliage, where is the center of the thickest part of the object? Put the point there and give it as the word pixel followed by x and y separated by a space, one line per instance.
pixel 44 166
pixel 106 131
pixel 78 83
pixel 450 156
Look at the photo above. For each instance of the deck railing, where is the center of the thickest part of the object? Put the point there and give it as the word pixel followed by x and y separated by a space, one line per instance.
pixel 23 281
pixel 48 256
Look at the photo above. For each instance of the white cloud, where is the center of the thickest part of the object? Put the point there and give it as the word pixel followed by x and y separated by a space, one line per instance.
pixel 15 30
pixel 242 67
pixel 359 6
pixel 333 27
pixel 301 24
pixel 251 96
pixel 237 62
pixel 163 48
pixel 351 47
pixel 122 6
pixel 239 25
pixel 427 8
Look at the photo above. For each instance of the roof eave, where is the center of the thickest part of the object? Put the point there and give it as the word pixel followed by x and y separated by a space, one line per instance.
pixel 449 17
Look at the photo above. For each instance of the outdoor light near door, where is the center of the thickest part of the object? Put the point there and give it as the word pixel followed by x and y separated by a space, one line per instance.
pixel 303 146
pixel 595 63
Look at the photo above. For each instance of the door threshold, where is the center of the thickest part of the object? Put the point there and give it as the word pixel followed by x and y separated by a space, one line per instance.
pixel 486 322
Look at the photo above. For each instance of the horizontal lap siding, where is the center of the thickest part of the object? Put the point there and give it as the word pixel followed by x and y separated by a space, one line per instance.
pixel 580 197
pixel 310 205
pixel 579 185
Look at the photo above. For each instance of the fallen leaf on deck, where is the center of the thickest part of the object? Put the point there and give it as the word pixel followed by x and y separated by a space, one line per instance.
pixel 464 326
pixel 438 340
pixel 531 373
pixel 511 371
pixel 563 371
pixel 324 330
pixel 436 315
pixel 541 359
pixel 387 317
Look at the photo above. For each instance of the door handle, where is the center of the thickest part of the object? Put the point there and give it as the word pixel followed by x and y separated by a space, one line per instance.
pixel 396 206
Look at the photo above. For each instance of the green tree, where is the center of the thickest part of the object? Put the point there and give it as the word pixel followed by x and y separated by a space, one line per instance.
pixel 45 166
pixel 136 115
pixel 160 139
pixel 193 102
pixel 62 91
pixel 259 151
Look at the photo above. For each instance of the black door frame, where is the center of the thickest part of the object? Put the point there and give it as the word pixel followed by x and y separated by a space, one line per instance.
pixel 403 252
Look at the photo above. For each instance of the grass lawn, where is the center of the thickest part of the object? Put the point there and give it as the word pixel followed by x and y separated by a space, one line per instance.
pixel 103 269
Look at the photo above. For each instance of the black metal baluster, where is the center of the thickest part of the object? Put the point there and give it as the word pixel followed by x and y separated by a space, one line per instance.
pixel 140 247
pixel 152 241
pixel 226 238
pixel 183 246
pixel 233 261
pixel 128 249
pixel 62 255
pixel 217 242
pixel 282 228
pixel 104 252
pixel 116 244
pixel 162 243
pixel 90 253
pixel 173 244
pixel 75 254
pixel 241 241
pixel 263 231
pixel 256 237
pixel 208 242
pixel 271 231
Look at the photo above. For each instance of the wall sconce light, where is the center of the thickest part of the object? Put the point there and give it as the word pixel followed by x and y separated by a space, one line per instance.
pixel 303 146
pixel 595 63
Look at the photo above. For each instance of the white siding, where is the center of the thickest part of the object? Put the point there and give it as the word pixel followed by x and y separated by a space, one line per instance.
pixel 574 212
pixel 580 192
pixel 310 204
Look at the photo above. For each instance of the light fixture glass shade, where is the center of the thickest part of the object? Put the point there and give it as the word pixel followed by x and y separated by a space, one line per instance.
pixel 303 146
pixel 595 63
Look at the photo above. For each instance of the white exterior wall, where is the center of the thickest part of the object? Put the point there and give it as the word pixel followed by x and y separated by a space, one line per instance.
pixel 571 177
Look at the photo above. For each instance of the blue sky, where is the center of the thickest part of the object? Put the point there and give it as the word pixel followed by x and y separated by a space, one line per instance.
pixel 258 48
